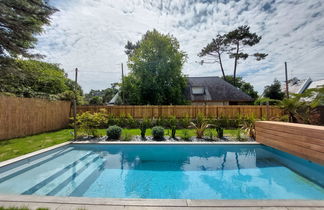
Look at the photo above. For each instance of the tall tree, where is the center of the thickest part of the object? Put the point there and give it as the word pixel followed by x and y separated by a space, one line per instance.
pixel 243 86
pixel 233 43
pixel 20 21
pixel 238 39
pixel 156 63
pixel 274 91
pixel 214 51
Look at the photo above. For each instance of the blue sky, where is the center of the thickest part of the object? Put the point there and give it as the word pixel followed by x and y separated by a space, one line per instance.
pixel 91 34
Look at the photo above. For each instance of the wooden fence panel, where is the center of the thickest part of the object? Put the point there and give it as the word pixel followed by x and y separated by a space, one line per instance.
pixel 232 111
pixel 27 116
pixel 306 141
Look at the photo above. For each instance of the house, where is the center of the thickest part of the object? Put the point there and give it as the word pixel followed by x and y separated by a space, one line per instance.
pixel 209 91
pixel 214 91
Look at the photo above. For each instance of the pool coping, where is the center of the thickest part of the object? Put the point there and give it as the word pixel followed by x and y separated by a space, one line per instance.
pixel 50 200
pixel 111 202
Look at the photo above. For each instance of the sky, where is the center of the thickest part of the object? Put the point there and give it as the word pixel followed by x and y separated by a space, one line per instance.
pixel 91 35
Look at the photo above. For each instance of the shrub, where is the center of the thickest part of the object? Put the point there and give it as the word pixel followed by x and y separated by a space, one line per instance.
pixel 114 132
pixel 127 136
pixel 210 134
pixel 185 135
pixel 158 132
pixel 88 123
pixel 172 124
pixel 220 132
pixel 144 124
pixel 184 122
pixel 239 136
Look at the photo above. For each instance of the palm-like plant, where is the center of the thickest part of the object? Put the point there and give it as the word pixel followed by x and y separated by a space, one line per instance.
pixel 200 126
pixel 248 126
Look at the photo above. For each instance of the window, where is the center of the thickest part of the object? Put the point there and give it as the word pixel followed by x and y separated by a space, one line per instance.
pixel 198 90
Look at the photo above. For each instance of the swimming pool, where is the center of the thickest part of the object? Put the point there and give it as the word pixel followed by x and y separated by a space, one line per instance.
pixel 165 172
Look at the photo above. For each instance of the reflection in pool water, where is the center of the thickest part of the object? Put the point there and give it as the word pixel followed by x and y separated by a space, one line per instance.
pixel 167 171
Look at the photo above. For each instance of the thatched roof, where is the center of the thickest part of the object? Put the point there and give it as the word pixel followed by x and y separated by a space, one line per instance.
pixel 215 89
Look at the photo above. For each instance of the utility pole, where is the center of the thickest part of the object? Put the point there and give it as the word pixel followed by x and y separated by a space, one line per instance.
pixel 122 69
pixel 74 103
pixel 286 73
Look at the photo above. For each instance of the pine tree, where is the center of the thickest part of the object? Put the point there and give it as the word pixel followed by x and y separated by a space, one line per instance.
pixel 20 21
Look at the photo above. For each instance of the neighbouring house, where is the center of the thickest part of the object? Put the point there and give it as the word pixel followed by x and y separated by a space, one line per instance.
pixel 214 91
pixel 209 91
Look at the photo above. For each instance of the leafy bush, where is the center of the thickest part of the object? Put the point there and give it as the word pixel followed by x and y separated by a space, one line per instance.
pixel 184 122
pixel 210 134
pixel 220 132
pixel 127 136
pixel 143 125
pixel 185 135
pixel 114 132
pixel 172 124
pixel 158 132
pixel 88 123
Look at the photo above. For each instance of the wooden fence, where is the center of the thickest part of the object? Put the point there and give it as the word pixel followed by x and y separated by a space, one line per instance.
pixel 306 141
pixel 231 111
pixel 27 116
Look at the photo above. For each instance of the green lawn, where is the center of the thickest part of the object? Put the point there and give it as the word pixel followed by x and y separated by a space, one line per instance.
pixel 20 146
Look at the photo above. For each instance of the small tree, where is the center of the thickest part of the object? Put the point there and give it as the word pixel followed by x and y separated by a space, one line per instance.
pixel 274 91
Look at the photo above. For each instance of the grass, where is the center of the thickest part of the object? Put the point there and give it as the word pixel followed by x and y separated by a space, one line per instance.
pixel 20 146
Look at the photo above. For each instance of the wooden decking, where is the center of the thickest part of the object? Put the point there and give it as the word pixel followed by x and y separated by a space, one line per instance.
pixel 306 141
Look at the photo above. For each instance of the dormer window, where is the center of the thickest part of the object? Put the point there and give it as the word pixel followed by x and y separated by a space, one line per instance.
pixel 198 90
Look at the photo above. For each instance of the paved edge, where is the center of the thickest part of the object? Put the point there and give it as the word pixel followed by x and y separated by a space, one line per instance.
pixel 158 202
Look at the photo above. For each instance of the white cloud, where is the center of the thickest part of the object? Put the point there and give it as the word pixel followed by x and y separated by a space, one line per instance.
pixel 91 34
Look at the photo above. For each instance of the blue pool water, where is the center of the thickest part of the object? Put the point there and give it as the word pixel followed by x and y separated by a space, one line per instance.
pixel 166 171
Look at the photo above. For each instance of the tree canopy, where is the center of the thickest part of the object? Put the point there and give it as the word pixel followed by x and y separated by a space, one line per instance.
pixel 156 63
pixel 20 21
pixel 98 97
pixel 232 43
pixel 31 78
pixel 243 86
pixel 274 91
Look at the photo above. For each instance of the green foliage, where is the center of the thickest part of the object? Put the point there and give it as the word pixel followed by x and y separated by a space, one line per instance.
pixel 88 123
pixel 232 43
pixel 173 124
pixel 184 122
pixel 21 21
pixel 96 100
pixel 185 135
pixel 248 126
pixel 158 132
pixel 264 101
pixel 127 136
pixel 242 85
pixel 106 95
pixel 114 132
pixel 143 125
pixel 220 132
pixel 200 125
pixel 31 78
pixel 274 91
pixel 155 78
pixel 210 134
pixel 301 107
pixel 238 135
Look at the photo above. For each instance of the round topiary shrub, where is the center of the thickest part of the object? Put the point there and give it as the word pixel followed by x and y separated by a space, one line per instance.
pixel 114 132
pixel 158 132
